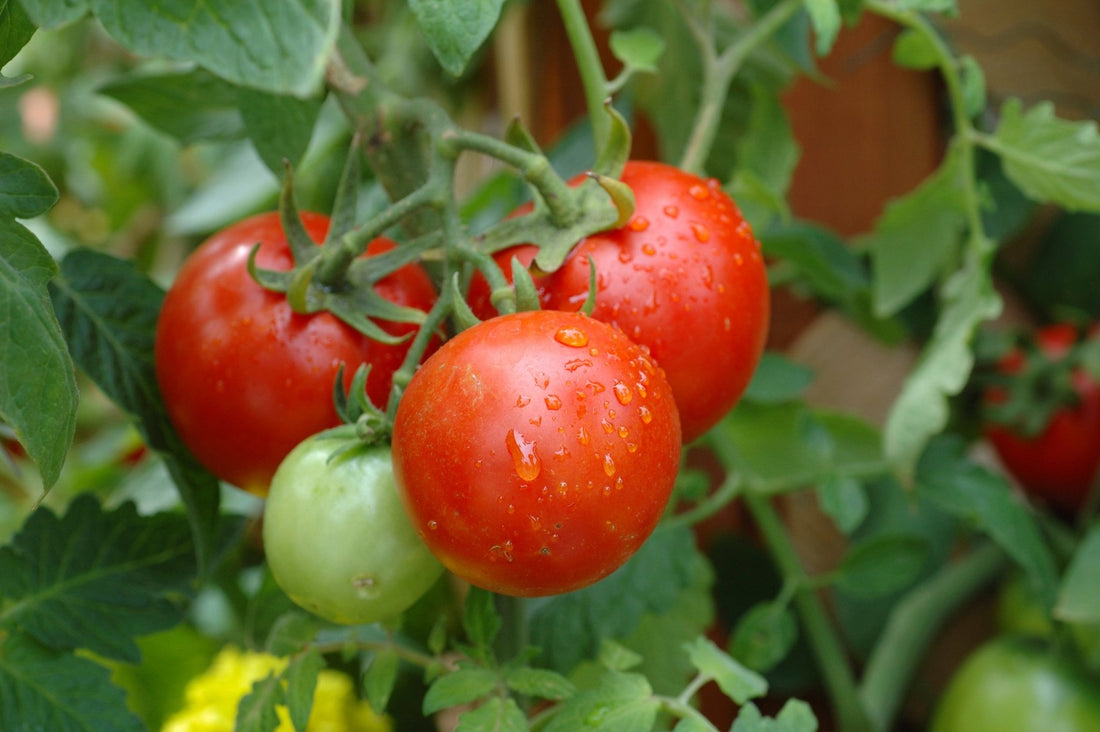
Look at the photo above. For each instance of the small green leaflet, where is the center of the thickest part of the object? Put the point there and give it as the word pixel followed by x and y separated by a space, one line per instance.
pixel 25 189
pixel 1050 159
pixel 1079 595
pixel 795 716
pixel 617 702
pixel 456 30
pixel 15 30
pixel 638 48
pixel 883 564
pixel 825 17
pixel 495 715
pixel 735 680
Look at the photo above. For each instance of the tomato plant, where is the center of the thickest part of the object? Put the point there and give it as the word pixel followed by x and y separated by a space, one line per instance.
pixel 535 452
pixel 243 376
pixel 1016 684
pixel 684 277
pixel 336 537
pixel 1057 459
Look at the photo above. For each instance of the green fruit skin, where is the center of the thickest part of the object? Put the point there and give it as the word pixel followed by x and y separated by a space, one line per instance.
pixel 1018 684
pixel 336 536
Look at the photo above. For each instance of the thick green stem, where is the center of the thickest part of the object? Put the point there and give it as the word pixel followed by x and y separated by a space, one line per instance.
pixel 913 623
pixel 515 630
pixel 718 72
pixel 589 65
pixel 832 660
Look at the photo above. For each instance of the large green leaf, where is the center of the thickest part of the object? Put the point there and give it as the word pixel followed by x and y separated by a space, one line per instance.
pixel 825 16
pixel 1079 595
pixel 52 13
pixel 280 126
pixel 38 392
pixel 1050 159
pixel 617 702
pixel 108 311
pixel 94 579
pixel 43 689
pixel 25 189
pixel 455 31
pixel 281 47
pixel 15 30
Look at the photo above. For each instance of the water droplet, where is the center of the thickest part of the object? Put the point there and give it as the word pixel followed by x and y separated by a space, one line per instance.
pixel 708 276
pixel 738 259
pixel 609 465
pixel 561 454
pixel 541 380
pixel 619 483
pixel 502 551
pixel 632 447
pixel 622 393
pixel 623 432
pixel 640 388
pixel 595 386
pixel 727 324
pixel 649 249
pixel 625 256
pixel 511 509
pixel 702 233
pixel 433 524
pixel 536 523
pixel 553 402
pixel 607 426
pixel 639 223
pixel 645 414
pixel 582 436
pixel 569 336
pixel 699 193
pixel 536 421
pixel 606 491
pixel 522 401
pixel 524 455
pixel 593 351
pixel 577 363
pixel 672 211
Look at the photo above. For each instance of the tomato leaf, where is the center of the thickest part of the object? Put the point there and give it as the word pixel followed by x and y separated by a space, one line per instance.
pixel 569 627
pixel 95 579
pixel 1079 595
pixel 463 686
pixel 480 619
pixel 455 31
pixel 540 683
pixel 25 189
pixel 381 678
pixel 301 682
pixel 189 105
pixel 617 701
pixel 825 17
pixel 108 312
pixel 882 565
pixel 915 50
pixel 1050 159
pixel 764 636
pixel 495 715
pixel 279 125
pixel 777 379
pixel 736 681
pixel 639 49
pixel 976 494
pixel 281 47
pixel 256 711
pixel 16 29
pixel 41 688
pixel 844 500
pixel 52 13
pixel 38 392
pixel 795 716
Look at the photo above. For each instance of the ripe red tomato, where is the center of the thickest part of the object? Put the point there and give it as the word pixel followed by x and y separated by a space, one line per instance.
pixel 536 451
pixel 1060 463
pixel 684 277
pixel 244 378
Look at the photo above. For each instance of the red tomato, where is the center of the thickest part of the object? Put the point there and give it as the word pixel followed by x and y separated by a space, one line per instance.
pixel 684 277
pixel 535 452
pixel 1060 463
pixel 244 378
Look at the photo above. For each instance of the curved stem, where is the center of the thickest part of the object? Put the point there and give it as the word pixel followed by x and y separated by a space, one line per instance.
pixel 731 487
pixel 593 79
pixel 913 623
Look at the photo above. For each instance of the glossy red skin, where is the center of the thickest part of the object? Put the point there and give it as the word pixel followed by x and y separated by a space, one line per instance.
pixel 244 378
pixel 684 277
pixel 530 466
pixel 1060 464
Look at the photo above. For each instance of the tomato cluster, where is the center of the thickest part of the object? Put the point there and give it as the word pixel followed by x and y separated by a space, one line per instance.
pixel 532 453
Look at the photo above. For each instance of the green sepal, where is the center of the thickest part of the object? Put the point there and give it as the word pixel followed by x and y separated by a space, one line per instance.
pixel 461 314
pixel 269 279
pixel 519 136
pixel 527 295
pixel 612 157
pixel 345 205
pixel 589 305
pixel 302 297
pixel 621 195
pixel 357 307
pixel 302 247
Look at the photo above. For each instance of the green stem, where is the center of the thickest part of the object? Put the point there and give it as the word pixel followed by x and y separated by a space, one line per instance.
pixel 433 324
pixel 913 623
pixel 593 79
pixel 731 487
pixel 515 630
pixel 835 668
pixel 718 72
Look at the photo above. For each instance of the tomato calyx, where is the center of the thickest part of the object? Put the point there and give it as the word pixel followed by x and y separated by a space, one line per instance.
pixel 364 424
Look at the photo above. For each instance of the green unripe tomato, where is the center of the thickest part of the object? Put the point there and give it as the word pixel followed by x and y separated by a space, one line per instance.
pixel 337 538
pixel 1018 684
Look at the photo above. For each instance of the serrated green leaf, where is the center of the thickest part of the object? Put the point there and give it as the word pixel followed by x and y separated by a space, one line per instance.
pixel 917 238
pixel 1048 158
pixel 638 48
pixel 495 715
pixel 455 31
pixel 280 126
pixel 52 13
pixel 882 565
pixel 462 686
pixel 844 500
pixel 25 189
pixel 1079 594
pixel 768 147
pixel 189 105
pixel 764 636
pixel 108 312
pixel 292 632
pixel 825 17
pixel 42 689
pixel 16 29
pixel 977 495
pixel 694 724
pixel 973 86
pixel 301 682
pixel 777 379
pixel 616 656
pixel 795 716
pixel 480 618
pixel 38 391
pixel 381 678
pixel 914 49
pixel 736 681
pixel 95 579
pixel 619 702
pixel 540 683
pixel 570 627
pixel 257 710
pixel 279 47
